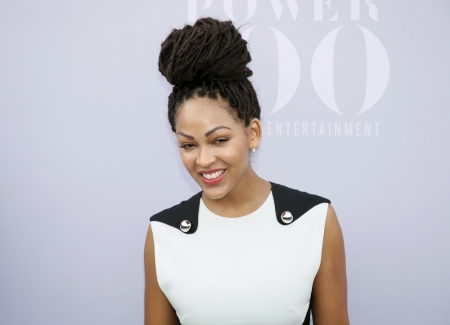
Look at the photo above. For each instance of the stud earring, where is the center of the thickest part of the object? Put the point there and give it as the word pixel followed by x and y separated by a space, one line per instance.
pixel 253 149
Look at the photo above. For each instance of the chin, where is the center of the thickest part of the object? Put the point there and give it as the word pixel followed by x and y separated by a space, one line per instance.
pixel 215 192
pixel 215 195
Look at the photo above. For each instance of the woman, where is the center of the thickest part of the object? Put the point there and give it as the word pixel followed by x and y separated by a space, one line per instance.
pixel 243 250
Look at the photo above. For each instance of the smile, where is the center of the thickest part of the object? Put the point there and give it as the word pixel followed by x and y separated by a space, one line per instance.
pixel 212 175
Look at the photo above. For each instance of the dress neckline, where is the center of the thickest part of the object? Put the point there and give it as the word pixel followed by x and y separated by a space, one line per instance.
pixel 247 216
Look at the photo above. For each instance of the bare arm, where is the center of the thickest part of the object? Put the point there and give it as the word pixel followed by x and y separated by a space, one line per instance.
pixel 329 294
pixel 158 310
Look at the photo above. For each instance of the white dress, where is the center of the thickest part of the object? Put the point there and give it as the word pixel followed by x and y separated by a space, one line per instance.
pixel 241 271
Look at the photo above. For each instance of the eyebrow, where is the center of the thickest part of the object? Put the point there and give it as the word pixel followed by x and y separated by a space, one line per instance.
pixel 186 135
pixel 215 129
pixel 206 134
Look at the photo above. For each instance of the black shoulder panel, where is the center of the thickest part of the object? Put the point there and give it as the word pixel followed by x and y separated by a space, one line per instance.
pixel 294 201
pixel 186 210
pixel 285 198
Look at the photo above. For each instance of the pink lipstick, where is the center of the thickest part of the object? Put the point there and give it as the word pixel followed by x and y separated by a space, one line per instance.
pixel 213 180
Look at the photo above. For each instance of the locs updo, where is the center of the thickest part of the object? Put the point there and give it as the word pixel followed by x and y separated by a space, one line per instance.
pixel 209 59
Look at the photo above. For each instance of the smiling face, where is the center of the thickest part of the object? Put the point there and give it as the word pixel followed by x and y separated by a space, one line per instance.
pixel 214 145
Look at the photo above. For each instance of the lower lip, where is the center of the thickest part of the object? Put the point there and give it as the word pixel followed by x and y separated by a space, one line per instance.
pixel 213 181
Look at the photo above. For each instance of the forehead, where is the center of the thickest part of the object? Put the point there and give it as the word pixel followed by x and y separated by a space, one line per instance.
pixel 200 113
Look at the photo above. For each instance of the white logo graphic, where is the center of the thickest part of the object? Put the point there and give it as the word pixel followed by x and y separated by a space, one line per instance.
pixel 278 8
pixel 289 70
pixel 355 9
pixel 228 7
pixel 378 70
pixel 192 8
pixel 322 69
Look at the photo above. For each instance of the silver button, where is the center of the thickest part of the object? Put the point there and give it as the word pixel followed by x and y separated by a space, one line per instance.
pixel 287 217
pixel 185 225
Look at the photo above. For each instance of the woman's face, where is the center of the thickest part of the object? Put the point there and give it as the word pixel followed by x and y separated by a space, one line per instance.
pixel 214 146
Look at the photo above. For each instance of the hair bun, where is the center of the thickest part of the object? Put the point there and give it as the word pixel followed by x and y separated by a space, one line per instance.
pixel 207 51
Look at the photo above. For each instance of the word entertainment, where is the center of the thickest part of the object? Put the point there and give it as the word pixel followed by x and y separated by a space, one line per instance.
pixel 330 129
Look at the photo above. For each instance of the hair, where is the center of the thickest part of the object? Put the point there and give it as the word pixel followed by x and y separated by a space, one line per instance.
pixel 209 59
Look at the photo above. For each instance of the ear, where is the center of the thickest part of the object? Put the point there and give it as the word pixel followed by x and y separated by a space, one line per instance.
pixel 254 133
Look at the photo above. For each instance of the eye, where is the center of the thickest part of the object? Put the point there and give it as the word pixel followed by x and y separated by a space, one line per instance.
pixel 186 146
pixel 220 140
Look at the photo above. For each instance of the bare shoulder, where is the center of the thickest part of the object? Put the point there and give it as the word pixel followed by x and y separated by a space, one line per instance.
pixel 149 241
pixel 149 253
pixel 333 230
pixel 158 310
pixel 329 296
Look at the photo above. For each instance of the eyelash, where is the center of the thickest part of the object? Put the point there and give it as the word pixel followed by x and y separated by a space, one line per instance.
pixel 186 145
pixel 216 141
pixel 221 140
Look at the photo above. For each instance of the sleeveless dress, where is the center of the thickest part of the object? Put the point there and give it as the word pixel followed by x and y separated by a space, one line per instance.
pixel 252 270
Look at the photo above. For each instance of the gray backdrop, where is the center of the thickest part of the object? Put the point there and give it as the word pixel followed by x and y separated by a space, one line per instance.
pixel 355 108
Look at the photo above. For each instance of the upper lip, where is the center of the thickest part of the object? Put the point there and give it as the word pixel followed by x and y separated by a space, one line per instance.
pixel 210 171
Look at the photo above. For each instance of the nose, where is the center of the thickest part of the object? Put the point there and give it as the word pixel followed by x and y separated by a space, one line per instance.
pixel 206 157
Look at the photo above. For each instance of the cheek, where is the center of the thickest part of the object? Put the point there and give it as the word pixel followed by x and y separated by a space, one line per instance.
pixel 187 160
pixel 237 155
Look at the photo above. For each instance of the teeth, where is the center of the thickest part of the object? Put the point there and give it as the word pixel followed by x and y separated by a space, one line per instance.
pixel 213 175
